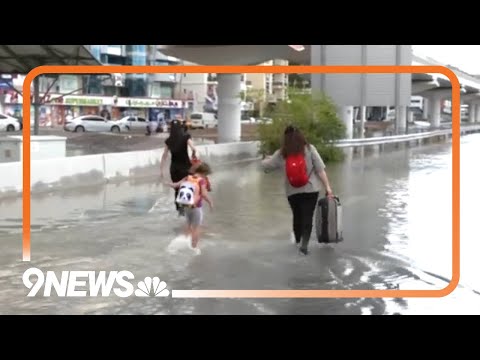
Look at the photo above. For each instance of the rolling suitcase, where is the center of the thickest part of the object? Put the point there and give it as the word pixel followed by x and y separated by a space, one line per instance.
pixel 328 220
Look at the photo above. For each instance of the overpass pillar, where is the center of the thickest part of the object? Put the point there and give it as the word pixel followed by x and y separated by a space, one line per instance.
pixel 229 108
pixel 477 113
pixel 279 88
pixel 435 111
pixel 471 112
pixel 363 119
pixel 411 117
pixel 425 107
pixel 345 113
pixel 401 119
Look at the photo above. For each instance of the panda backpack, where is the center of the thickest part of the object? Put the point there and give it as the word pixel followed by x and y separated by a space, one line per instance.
pixel 188 192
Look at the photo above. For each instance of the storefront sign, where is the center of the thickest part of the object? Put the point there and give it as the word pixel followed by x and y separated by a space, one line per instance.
pixel 79 100
pixel 83 101
pixel 149 103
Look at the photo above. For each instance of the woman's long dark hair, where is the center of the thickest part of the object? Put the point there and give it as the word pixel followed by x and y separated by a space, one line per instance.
pixel 176 137
pixel 294 142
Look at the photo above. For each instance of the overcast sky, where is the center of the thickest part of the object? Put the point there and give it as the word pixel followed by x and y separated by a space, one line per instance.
pixel 465 57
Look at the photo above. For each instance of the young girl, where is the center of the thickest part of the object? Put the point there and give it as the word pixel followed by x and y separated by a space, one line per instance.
pixel 194 212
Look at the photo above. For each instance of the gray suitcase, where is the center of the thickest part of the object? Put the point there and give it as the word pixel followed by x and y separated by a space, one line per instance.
pixel 328 220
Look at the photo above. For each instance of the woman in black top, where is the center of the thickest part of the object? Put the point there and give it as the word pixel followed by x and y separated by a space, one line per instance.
pixel 177 145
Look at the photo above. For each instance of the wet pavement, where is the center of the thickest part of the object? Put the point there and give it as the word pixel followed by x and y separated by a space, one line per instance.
pixel 397 218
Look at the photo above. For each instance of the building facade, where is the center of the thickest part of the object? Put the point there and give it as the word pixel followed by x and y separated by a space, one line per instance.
pixel 110 95
pixel 144 95
pixel 273 86
pixel 201 89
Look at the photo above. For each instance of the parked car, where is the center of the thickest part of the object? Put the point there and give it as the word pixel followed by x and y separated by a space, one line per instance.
pixel 93 123
pixel 264 120
pixel 203 120
pixel 134 123
pixel 32 122
pixel 9 123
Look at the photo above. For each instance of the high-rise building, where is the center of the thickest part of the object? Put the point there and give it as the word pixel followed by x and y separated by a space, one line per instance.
pixel 273 86
pixel 132 85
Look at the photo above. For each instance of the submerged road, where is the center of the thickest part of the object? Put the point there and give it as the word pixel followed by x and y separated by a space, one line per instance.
pixel 397 218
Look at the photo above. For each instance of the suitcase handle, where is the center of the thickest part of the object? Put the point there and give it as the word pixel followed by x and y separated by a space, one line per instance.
pixel 333 197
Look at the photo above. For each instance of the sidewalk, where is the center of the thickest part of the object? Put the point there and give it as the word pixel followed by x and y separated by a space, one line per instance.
pixel 99 143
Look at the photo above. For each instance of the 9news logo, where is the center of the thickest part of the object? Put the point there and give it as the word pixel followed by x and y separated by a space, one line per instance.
pixel 92 284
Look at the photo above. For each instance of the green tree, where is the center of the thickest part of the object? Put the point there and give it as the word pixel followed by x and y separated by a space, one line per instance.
pixel 314 114
pixel 257 97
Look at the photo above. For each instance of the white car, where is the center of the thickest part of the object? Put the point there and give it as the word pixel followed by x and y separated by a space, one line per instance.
pixel 93 123
pixel 9 123
pixel 247 120
pixel 203 120
pixel 264 120
pixel 133 123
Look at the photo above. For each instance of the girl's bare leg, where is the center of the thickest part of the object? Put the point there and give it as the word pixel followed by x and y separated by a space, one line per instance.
pixel 195 236
pixel 187 230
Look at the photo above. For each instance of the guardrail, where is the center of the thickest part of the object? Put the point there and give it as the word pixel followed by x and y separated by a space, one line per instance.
pixel 401 138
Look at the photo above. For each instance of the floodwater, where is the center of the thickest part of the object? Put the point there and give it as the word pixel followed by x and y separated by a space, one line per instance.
pixel 397 229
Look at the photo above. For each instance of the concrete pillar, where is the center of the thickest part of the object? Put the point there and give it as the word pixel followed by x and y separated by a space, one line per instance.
pixel 477 113
pixel 471 112
pixel 435 111
pixel 229 108
pixel 363 118
pixel 411 118
pixel 346 115
pixel 401 119
pixel 279 89
pixel 425 108
pixel 349 155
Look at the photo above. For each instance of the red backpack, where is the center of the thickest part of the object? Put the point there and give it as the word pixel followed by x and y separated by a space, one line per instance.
pixel 296 170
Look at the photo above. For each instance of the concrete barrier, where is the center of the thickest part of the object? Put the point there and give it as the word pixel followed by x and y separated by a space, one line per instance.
pixel 66 172
pixel 226 153
pixel 11 178
pixel 94 169
pixel 88 170
pixel 120 166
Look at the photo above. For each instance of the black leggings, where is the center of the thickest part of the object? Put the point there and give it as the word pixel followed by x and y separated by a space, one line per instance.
pixel 303 207
pixel 177 175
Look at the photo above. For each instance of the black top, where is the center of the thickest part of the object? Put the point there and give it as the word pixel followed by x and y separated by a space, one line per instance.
pixel 180 158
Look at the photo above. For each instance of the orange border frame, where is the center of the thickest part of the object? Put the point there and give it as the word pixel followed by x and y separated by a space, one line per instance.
pixel 271 69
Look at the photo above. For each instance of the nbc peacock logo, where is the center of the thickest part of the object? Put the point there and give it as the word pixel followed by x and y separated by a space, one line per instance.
pixel 152 287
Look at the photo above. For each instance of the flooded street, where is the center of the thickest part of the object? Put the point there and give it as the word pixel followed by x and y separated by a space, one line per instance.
pixel 397 229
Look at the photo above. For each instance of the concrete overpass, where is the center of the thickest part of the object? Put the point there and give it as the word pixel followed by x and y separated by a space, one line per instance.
pixel 433 87
pixel 436 87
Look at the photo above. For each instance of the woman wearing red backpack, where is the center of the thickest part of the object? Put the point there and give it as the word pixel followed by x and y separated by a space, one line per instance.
pixel 304 176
